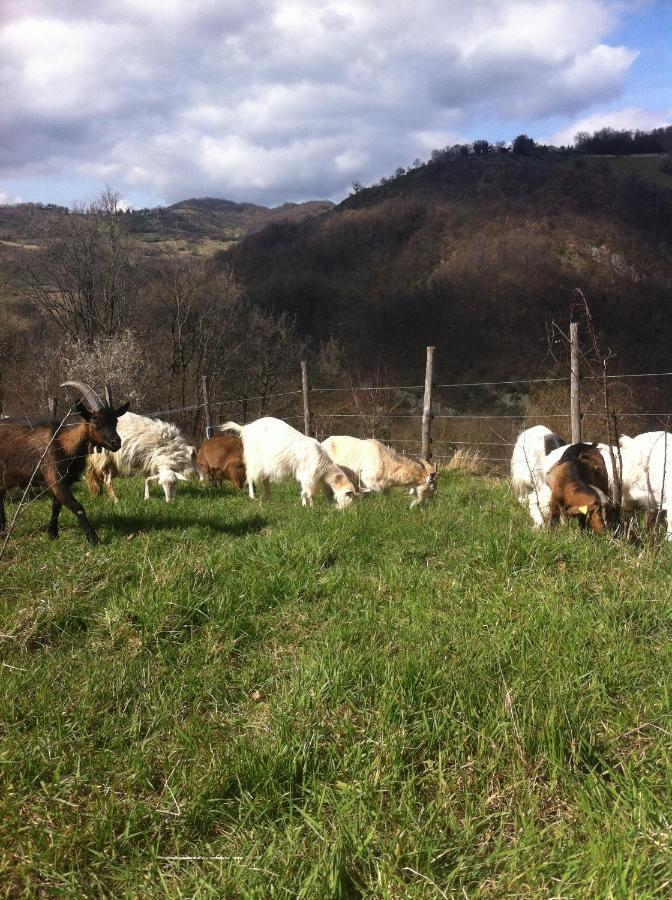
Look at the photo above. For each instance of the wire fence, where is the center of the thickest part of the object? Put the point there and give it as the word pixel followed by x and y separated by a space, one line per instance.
pixel 474 422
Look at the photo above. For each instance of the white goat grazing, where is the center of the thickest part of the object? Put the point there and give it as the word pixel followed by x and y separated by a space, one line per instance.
pixel 531 448
pixel 647 474
pixel 157 449
pixel 274 451
pixel 374 467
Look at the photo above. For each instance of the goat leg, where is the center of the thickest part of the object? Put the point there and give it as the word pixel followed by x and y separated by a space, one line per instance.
pixel 63 494
pixel 52 527
pixel 110 489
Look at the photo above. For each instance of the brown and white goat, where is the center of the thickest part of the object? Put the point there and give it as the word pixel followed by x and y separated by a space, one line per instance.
pixel 377 468
pixel 579 485
pixel 220 458
pixel 53 454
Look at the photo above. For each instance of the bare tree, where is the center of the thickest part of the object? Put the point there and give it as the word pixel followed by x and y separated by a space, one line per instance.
pixel 87 280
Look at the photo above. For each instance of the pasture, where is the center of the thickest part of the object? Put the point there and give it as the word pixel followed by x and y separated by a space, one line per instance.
pixel 229 698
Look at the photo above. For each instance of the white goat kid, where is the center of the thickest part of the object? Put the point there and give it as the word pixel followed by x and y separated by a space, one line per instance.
pixel 155 448
pixel 374 467
pixel 274 451
pixel 647 474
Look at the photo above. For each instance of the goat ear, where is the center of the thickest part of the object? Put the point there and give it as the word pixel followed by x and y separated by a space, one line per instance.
pixel 577 511
pixel 119 412
pixel 83 410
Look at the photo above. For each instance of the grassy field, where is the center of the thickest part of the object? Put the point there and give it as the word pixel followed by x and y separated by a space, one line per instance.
pixel 646 166
pixel 239 699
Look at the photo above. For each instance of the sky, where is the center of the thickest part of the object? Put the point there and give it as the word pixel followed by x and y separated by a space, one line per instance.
pixel 270 101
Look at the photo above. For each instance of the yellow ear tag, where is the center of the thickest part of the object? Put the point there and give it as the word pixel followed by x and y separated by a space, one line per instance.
pixel 582 509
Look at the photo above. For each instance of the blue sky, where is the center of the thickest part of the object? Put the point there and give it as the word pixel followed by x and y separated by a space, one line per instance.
pixel 287 100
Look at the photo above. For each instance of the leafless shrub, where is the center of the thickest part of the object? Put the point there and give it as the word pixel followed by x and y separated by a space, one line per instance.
pixel 373 405
pixel 467 461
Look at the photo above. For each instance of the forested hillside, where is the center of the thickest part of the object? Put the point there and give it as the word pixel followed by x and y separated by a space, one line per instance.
pixel 477 255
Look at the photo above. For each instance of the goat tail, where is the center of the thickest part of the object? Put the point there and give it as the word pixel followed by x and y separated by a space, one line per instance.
pixel 93 480
pixel 230 426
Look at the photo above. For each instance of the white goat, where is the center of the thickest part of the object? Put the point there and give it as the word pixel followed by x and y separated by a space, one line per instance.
pixel 157 449
pixel 647 474
pixel 274 451
pixel 531 448
pixel 374 467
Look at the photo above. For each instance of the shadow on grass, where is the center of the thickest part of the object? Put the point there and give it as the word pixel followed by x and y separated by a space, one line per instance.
pixel 141 522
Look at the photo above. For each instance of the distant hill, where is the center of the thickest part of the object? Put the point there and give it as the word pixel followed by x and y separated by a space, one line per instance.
pixel 207 218
pixel 477 255
pixel 189 220
pixel 198 226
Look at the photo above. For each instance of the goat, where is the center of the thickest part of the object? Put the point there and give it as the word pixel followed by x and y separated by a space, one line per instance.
pixel 221 457
pixel 576 484
pixel 374 467
pixel 647 474
pixel 274 451
pixel 530 449
pixel 157 449
pixel 54 455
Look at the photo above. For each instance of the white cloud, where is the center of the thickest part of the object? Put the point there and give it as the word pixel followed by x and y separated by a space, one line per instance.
pixel 283 99
pixel 628 118
pixel 8 200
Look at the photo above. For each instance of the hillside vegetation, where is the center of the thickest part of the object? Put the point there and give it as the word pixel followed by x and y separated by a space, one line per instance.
pixel 245 699
pixel 476 255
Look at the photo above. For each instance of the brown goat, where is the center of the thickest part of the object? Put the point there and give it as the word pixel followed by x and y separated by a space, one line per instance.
pixel 53 455
pixel 221 457
pixel 579 485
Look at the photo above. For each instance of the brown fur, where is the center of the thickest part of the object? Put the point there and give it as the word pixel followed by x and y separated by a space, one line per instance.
pixel 578 480
pixel 220 458
pixel 54 456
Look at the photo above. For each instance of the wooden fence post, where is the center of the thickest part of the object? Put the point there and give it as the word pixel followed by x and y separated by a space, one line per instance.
pixel 209 431
pixel 426 451
pixel 307 417
pixel 574 395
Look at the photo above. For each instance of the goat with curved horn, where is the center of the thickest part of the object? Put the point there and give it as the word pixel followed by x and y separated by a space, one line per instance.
pixel 89 396
pixel 54 454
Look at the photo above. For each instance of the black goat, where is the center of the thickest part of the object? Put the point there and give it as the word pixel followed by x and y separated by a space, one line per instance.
pixel 53 455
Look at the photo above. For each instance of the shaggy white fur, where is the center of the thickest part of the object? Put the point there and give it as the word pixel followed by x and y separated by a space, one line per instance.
pixel 152 447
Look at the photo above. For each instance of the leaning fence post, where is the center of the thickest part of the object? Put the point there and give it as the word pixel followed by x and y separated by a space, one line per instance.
pixel 209 431
pixel 52 403
pixel 307 417
pixel 427 407
pixel 574 396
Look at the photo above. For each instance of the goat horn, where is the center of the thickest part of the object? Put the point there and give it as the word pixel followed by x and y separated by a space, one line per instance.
pixel 89 396
pixel 108 395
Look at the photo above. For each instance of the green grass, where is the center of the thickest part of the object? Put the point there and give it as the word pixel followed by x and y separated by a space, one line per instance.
pixel 376 702
pixel 646 167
